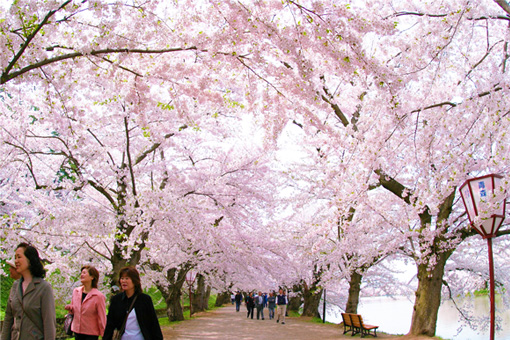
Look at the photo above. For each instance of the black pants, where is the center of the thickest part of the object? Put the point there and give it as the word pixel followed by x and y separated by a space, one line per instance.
pixel 260 312
pixel 85 337
pixel 250 312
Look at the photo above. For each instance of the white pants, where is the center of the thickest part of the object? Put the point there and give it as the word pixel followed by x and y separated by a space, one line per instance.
pixel 280 312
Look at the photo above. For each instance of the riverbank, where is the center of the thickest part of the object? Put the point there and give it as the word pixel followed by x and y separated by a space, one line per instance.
pixel 226 323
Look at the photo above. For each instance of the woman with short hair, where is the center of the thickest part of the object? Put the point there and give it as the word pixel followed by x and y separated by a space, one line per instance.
pixel 30 312
pixel 132 312
pixel 88 306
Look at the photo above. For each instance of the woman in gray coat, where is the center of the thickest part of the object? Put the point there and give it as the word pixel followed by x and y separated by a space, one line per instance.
pixel 30 312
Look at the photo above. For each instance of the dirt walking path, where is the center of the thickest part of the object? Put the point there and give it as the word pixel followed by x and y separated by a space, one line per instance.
pixel 226 323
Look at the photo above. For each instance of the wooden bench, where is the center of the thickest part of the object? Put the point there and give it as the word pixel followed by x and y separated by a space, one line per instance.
pixel 347 322
pixel 354 323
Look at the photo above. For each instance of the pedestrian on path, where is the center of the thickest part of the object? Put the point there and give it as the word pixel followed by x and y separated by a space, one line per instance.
pixel 259 303
pixel 239 299
pixel 250 304
pixel 88 306
pixel 271 305
pixel 131 312
pixel 281 301
pixel 30 312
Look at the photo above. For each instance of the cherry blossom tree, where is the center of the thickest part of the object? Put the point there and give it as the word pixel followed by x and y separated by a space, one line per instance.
pixel 403 95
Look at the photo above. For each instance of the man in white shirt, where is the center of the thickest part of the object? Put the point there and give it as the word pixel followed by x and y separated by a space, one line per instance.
pixel 281 303
pixel 259 303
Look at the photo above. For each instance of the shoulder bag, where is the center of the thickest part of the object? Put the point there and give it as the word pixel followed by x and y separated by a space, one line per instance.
pixel 117 333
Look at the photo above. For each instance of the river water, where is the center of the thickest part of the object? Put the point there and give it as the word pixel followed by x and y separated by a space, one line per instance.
pixel 393 315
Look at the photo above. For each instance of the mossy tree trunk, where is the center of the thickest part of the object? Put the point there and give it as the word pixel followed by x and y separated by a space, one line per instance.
pixel 171 290
pixel 311 300
pixel 296 299
pixel 312 294
pixel 222 299
pixel 200 297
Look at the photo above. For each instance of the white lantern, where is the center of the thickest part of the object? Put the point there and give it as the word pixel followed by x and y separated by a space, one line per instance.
pixel 485 214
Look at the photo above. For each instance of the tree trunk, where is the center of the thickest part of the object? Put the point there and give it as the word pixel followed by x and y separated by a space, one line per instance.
pixel 171 291
pixel 173 305
pixel 312 299
pixel 428 296
pixel 294 303
pixel 296 300
pixel 118 261
pixel 200 298
pixel 222 299
pixel 207 295
pixel 430 274
pixel 354 289
pixel 122 234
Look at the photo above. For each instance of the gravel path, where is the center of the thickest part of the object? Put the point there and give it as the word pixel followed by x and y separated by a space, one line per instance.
pixel 226 323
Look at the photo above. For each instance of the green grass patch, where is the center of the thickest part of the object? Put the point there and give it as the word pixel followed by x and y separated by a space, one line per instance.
pixel 163 321
pixel 293 314
pixel 319 320
pixel 212 302
pixel 481 292
pixel 157 298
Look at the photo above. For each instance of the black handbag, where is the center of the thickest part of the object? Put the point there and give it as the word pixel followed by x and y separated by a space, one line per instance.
pixel 67 324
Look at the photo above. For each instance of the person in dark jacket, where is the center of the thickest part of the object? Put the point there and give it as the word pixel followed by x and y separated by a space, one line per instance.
pixel 138 322
pixel 238 298
pixel 250 305
pixel 281 302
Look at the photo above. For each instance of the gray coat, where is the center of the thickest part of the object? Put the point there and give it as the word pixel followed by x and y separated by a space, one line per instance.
pixel 31 316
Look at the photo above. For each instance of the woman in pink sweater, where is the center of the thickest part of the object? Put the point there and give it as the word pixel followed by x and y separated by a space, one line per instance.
pixel 88 305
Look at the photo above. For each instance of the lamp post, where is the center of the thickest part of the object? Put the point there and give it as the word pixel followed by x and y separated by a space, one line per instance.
pixel 324 308
pixel 485 215
pixel 190 279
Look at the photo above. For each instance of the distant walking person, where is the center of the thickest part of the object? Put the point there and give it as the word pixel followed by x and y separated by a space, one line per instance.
pixel 281 302
pixel 88 306
pixel 132 312
pixel 259 304
pixel 238 298
pixel 271 305
pixel 250 304
pixel 30 312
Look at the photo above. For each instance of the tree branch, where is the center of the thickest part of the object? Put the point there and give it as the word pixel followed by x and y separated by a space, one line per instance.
pixel 29 40
pixel 6 76
pixel 504 5
pixel 130 164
